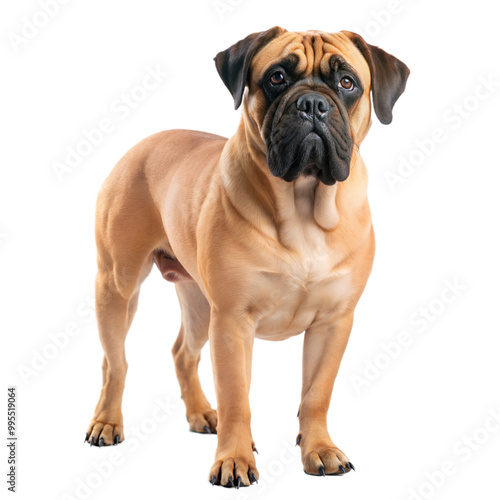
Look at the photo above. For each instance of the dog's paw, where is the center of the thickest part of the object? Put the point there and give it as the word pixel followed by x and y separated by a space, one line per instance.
pixel 233 472
pixel 325 461
pixel 204 422
pixel 102 433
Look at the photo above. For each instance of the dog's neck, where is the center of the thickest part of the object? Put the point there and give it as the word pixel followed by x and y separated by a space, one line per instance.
pixel 251 187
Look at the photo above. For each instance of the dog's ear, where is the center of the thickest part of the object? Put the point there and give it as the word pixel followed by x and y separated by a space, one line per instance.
pixel 388 76
pixel 234 62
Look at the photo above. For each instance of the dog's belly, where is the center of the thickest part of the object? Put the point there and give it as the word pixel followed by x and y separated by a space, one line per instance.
pixel 292 306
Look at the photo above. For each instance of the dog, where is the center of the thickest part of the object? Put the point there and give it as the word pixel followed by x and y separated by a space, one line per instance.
pixel 266 235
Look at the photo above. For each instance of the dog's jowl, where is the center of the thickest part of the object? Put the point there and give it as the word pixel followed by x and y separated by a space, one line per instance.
pixel 266 235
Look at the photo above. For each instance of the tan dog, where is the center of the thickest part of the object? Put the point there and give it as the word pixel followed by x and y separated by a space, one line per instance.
pixel 267 235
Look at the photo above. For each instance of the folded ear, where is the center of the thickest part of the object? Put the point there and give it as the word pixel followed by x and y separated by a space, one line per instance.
pixel 234 62
pixel 388 75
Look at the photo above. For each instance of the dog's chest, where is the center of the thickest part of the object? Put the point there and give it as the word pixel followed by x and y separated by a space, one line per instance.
pixel 303 285
pixel 307 257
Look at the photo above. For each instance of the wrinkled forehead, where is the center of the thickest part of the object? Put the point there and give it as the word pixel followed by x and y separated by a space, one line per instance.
pixel 313 50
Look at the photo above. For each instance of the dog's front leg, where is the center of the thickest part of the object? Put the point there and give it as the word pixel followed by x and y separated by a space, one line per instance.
pixel 231 344
pixel 323 351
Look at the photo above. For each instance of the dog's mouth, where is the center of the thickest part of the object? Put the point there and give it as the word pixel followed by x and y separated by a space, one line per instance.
pixel 309 147
pixel 310 161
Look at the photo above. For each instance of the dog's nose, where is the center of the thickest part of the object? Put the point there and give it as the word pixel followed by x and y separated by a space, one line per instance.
pixel 312 105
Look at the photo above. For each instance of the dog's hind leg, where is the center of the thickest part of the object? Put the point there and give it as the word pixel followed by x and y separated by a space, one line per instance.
pixel 192 337
pixel 127 230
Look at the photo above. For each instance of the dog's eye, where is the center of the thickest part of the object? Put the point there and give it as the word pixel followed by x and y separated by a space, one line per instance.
pixel 346 83
pixel 277 78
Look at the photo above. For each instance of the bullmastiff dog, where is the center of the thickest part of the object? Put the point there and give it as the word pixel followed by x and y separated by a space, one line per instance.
pixel 266 235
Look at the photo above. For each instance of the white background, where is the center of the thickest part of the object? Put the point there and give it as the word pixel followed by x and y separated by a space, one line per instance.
pixel 440 223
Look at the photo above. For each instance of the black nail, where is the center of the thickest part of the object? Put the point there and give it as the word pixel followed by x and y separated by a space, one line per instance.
pixel 238 483
pixel 86 437
pixel 341 469
pixel 213 480
pixel 351 466
pixel 92 441
pixel 255 450
pixel 207 429
pixel 253 478
pixel 230 482
pixel 321 471
pixel 299 437
pixel 101 442
pixel 298 412
pixel 117 439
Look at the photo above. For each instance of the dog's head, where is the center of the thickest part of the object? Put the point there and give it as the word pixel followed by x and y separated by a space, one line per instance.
pixel 309 96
